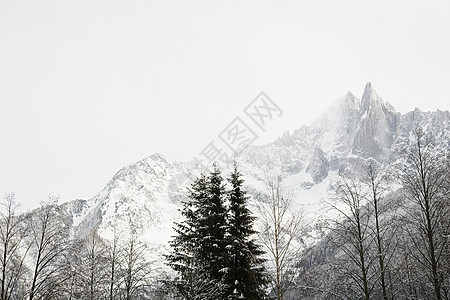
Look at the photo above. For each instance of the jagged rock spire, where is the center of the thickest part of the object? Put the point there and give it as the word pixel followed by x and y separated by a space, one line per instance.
pixel 369 98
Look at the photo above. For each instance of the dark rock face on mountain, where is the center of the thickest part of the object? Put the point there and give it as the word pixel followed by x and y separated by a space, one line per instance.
pixel 319 166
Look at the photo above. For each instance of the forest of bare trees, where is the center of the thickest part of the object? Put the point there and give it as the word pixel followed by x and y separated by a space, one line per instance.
pixel 40 260
pixel 391 237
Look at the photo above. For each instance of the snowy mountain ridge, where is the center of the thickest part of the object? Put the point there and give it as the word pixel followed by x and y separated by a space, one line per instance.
pixel 146 196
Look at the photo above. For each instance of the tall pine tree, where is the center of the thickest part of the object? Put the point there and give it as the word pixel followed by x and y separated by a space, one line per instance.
pixel 245 278
pixel 212 226
pixel 193 283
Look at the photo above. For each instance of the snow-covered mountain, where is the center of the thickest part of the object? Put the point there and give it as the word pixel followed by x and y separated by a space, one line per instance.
pixel 148 193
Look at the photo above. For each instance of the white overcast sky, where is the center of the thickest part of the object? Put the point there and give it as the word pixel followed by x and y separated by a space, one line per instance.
pixel 87 87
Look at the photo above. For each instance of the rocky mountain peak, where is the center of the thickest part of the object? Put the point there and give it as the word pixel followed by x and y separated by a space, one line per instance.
pixel 156 157
pixel 369 98
pixel 351 99
pixel 378 125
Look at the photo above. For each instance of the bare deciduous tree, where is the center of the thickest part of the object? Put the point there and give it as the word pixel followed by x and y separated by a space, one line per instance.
pixel 383 225
pixel 88 268
pixel 49 236
pixel 136 269
pixel 279 234
pixel 12 248
pixel 114 258
pixel 424 180
pixel 352 235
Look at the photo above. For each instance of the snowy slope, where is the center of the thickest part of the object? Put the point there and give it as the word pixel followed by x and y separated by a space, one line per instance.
pixel 148 193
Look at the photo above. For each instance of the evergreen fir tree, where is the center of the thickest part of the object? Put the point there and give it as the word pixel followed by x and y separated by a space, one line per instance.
pixel 246 278
pixel 212 227
pixel 199 240
pixel 192 282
